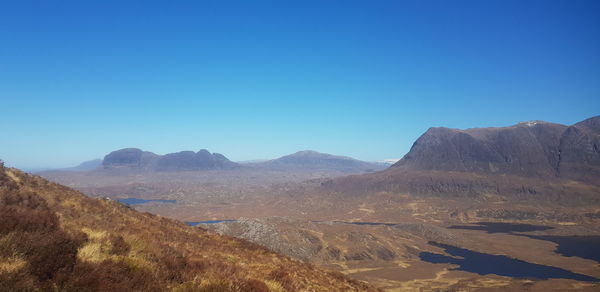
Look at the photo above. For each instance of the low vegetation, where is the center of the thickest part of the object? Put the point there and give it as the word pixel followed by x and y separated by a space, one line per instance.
pixel 55 239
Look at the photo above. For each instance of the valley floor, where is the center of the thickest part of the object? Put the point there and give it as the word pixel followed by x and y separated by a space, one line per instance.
pixel 398 242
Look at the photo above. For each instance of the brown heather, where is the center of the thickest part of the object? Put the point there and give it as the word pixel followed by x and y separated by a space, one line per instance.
pixel 53 238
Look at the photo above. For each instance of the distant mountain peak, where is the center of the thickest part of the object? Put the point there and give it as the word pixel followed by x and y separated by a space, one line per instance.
pixel 128 157
pixel 532 123
pixel 136 159
pixel 316 154
pixel 389 161
pixel 307 152
pixel 591 123
pixel 314 160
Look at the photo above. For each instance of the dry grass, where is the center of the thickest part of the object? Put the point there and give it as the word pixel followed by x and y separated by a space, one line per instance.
pixel 11 265
pixel 274 286
pixel 103 245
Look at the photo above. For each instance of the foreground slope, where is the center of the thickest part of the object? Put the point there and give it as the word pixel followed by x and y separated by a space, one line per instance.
pixel 54 238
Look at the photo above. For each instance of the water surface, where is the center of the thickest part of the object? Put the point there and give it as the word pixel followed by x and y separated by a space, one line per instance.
pixel 356 223
pixel 583 246
pixel 587 247
pixel 136 201
pixel 500 227
pixel 208 222
pixel 484 264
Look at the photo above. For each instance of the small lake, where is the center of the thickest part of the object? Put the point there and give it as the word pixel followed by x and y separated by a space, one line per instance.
pixel 357 223
pixel 499 227
pixel 583 246
pixel 209 222
pixel 367 223
pixel 587 247
pixel 136 201
pixel 484 264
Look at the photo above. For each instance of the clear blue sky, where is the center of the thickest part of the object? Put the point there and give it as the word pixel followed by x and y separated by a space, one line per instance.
pixel 260 79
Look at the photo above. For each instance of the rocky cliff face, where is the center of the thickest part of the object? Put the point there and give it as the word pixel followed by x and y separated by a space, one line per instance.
pixel 579 151
pixel 533 149
pixel 532 161
pixel 133 158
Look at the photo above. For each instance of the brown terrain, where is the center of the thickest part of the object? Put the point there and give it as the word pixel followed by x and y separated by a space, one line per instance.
pixel 527 193
pixel 53 238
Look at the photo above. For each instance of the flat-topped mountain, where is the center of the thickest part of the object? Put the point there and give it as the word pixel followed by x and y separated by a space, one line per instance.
pixel 535 148
pixel 313 160
pixel 188 160
pixel 133 158
pixel 130 157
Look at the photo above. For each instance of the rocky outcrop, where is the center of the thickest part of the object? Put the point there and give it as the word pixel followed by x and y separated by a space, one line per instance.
pixel 335 241
pixel 273 234
pixel 310 241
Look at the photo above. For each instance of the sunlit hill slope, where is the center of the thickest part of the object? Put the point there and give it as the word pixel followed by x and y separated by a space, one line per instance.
pixel 55 238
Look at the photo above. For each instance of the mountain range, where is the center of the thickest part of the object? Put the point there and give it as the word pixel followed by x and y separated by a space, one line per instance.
pixel 134 159
pixel 529 149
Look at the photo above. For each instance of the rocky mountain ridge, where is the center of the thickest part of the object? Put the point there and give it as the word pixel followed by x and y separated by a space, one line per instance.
pixel 134 158
pixel 531 149
pixel 531 161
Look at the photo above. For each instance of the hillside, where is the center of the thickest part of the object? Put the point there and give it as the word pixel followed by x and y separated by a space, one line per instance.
pixel 54 238
pixel 86 165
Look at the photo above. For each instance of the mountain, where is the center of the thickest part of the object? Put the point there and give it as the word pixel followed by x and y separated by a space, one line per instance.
pixel 389 161
pixel 313 160
pixel 86 165
pixel 55 238
pixel 531 160
pixel 532 149
pixel 130 158
pixel 133 158
pixel 188 160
